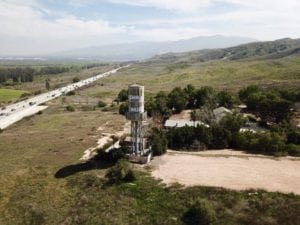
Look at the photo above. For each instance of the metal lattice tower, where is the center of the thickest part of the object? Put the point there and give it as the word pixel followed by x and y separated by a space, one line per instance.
pixel 136 114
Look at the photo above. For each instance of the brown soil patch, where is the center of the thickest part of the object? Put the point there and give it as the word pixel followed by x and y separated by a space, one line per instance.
pixel 229 169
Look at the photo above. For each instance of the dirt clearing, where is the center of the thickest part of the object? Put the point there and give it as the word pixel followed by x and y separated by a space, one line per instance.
pixel 229 169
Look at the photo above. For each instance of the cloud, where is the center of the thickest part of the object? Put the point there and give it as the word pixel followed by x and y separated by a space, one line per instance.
pixel 30 23
pixel 177 5
pixel 32 27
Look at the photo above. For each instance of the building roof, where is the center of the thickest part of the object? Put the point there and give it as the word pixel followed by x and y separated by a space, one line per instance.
pixel 221 110
pixel 183 123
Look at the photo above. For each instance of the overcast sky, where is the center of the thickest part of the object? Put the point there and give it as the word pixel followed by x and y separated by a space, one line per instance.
pixel 44 26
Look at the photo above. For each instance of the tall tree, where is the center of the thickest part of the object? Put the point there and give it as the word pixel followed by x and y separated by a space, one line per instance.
pixel 47 84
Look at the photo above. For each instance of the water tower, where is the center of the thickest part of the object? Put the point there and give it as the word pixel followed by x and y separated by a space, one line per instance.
pixel 136 114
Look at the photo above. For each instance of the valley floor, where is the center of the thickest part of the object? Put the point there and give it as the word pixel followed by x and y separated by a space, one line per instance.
pixel 229 169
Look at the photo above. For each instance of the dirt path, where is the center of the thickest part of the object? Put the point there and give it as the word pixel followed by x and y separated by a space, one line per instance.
pixel 229 169
pixel 106 138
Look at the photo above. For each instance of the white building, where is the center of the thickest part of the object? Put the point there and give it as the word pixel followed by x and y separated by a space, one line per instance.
pixel 183 123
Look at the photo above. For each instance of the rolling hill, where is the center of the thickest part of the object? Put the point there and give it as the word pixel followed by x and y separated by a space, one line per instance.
pixel 259 50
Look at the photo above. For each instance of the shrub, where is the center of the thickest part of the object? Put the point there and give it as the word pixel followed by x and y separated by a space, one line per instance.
pixel 101 104
pixel 200 213
pixel 76 79
pixel 71 93
pixel 112 156
pixel 37 92
pixel 225 99
pixel 293 150
pixel 88 108
pixel 70 108
pixel 123 108
pixel 123 95
pixel 25 94
pixel 121 172
pixel 159 142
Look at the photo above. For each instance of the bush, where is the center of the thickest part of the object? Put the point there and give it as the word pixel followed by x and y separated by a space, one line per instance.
pixel 123 108
pixel 101 104
pixel 123 95
pixel 25 94
pixel 76 79
pixel 88 108
pixel 70 108
pixel 37 92
pixel 293 150
pixel 112 156
pixel 225 99
pixel 121 172
pixel 159 142
pixel 71 93
pixel 200 213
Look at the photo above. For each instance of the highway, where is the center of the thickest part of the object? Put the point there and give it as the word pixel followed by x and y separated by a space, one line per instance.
pixel 15 112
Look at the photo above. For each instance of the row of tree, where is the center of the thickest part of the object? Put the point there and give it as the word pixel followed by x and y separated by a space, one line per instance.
pixel 26 74
pixel 278 141
pixel 270 105
pixel 17 74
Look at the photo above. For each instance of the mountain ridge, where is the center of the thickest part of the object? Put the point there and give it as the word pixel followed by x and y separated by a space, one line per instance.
pixel 144 50
pixel 260 50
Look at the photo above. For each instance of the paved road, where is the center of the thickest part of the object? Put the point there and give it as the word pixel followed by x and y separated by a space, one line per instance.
pixel 15 112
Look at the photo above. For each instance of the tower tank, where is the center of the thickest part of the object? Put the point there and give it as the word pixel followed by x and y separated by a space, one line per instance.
pixel 136 114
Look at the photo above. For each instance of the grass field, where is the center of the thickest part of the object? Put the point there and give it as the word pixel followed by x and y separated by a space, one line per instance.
pixel 7 95
pixel 34 149
pixel 230 75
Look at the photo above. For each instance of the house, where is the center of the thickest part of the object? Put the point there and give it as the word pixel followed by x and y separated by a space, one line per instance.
pixel 183 123
pixel 220 112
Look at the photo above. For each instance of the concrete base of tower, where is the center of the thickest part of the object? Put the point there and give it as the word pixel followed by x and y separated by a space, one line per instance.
pixel 141 159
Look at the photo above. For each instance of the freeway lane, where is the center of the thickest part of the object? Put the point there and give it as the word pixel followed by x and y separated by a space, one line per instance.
pixel 15 112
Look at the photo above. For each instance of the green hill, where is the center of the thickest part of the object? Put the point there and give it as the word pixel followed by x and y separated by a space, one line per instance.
pixel 270 49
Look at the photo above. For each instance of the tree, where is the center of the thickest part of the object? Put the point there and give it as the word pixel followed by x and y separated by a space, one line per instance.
pixel 205 96
pixel 221 137
pixel 123 108
pixel 101 104
pixel 190 92
pixel 70 108
pixel 47 84
pixel 244 93
pixel 123 95
pixel 159 142
pixel 157 107
pixel 225 99
pixel 177 100
pixel 233 122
